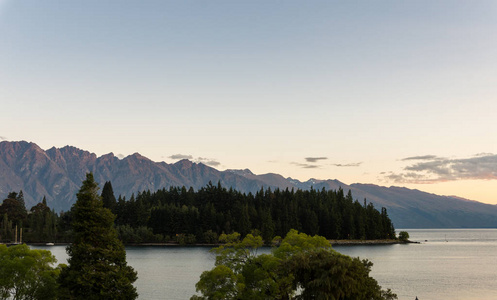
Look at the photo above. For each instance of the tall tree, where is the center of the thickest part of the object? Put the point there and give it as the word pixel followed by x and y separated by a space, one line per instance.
pixel 97 260
pixel 108 198
pixel 6 233
pixel 15 210
pixel 20 198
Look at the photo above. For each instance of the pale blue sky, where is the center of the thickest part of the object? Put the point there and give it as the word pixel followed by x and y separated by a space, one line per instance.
pixel 263 85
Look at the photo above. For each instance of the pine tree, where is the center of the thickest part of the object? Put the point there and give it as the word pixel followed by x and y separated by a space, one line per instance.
pixel 20 198
pixel 108 197
pixel 97 260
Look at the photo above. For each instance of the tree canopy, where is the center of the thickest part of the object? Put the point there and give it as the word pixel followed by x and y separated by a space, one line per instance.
pixel 186 216
pixel 403 236
pixel 179 211
pixel 301 267
pixel 97 260
pixel 27 274
pixel 15 210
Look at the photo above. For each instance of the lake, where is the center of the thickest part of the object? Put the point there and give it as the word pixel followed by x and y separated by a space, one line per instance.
pixel 447 264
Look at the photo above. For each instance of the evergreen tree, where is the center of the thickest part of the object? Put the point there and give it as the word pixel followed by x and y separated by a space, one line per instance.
pixel 332 214
pixel 12 195
pixel 97 260
pixel 6 233
pixel 15 210
pixel 108 198
pixel 20 198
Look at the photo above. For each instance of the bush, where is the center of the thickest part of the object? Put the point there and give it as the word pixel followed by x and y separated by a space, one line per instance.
pixel 403 236
pixel 27 274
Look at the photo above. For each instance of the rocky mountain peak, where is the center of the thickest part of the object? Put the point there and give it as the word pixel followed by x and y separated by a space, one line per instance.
pixel 138 156
pixel 244 172
pixel 184 164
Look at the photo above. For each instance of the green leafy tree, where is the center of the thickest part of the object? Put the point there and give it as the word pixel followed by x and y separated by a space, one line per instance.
pixel 97 259
pixel 403 236
pixel 301 267
pixel 323 274
pixel 27 274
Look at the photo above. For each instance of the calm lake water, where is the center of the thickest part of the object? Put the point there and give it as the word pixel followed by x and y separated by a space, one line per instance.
pixel 448 264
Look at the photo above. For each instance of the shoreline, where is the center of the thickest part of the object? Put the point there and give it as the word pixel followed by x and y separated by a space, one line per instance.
pixel 369 242
pixel 332 242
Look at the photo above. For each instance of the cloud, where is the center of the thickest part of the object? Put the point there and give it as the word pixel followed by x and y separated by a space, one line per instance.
pixel 3 138
pixel 180 156
pixel 483 154
pixel 314 159
pixel 422 157
pixel 212 163
pixel 208 161
pixel 120 156
pixel 348 165
pixel 306 166
pixel 435 169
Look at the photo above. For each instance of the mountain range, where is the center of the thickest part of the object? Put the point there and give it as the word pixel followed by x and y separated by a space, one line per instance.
pixel 57 174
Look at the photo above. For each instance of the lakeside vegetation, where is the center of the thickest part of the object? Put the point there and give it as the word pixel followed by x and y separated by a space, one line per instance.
pixel 299 267
pixel 185 216
pixel 189 216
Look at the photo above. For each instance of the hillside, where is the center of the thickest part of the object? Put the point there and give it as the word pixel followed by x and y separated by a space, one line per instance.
pixel 57 174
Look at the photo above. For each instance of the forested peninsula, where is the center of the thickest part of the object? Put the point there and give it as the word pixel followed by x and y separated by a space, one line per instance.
pixel 184 216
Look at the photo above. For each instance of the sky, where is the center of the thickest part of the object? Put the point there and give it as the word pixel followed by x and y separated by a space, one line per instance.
pixel 394 93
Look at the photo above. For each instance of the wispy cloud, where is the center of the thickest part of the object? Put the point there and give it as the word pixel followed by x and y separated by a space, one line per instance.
pixel 180 156
pixel 3 138
pixel 208 161
pixel 314 159
pixel 421 157
pixel 348 165
pixel 310 162
pixel 306 166
pixel 433 169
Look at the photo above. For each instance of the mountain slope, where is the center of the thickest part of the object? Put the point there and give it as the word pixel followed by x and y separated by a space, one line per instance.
pixel 58 172
pixel 417 209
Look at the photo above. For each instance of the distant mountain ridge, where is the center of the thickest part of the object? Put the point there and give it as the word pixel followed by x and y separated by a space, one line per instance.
pixel 57 174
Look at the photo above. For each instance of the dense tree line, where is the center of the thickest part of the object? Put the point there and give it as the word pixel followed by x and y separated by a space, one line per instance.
pixel 187 216
pixel 39 224
pixel 200 216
